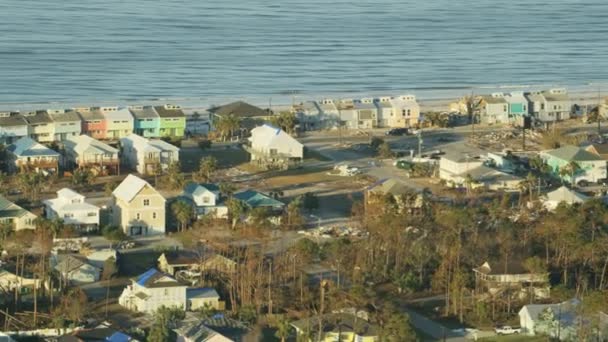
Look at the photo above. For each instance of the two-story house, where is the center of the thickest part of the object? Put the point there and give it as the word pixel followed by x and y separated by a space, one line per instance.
pixel 494 109
pixel 146 121
pixel 497 278
pixel 12 127
pixel 66 124
pixel 40 126
pixel 309 116
pixel 152 290
pixel 28 155
pixel 271 147
pixel 206 199
pixel 518 106
pixel 73 209
pixel 13 214
pixel 329 109
pixel 85 152
pixel 405 111
pixel 138 208
pixel 367 113
pixel 574 164
pixel 146 155
pixel 94 123
pixel 172 120
pixel 119 122
pixel 198 122
pixel 549 105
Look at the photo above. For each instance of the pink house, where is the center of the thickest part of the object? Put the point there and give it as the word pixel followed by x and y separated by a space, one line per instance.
pixel 94 123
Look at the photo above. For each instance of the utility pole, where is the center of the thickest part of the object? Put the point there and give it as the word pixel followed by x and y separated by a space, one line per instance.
pixel 420 143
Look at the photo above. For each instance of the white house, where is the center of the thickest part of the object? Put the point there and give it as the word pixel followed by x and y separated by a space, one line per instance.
pixel 27 154
pixel 138 208
pixel 144 155
pixel 84 151
pixel 456 169
pixel 76 269
pixel 197 331
pixel 72 208
pixel 453 166
pixel 556 320
pixel 152 290
pixel 199 298
pixel 10 281
pixel 206 198
pixel 494 109
pixel 66 124
pixel 568 196
pixel 271 145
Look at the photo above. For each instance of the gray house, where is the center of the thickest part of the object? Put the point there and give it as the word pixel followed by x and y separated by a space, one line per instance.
pixel 549 105
pixel 494 109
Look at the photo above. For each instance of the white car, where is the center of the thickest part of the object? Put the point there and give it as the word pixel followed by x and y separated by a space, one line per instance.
pixel 507 330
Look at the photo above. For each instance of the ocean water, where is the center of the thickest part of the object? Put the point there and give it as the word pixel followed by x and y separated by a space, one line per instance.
pixel 216 50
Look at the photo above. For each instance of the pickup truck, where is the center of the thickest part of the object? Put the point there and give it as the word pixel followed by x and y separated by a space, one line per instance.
pixel 507 330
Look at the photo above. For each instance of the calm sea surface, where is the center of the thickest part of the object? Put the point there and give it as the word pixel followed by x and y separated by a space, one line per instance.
pixel 134 50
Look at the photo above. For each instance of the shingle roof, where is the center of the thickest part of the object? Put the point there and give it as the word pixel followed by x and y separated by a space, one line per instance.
pixel 103 334
pixel 573 153
pixel 13 120
pixel 129 188
pixel 256 199
pixel 196 331
pixel 336 322
pixel 27 147
pixel 91 115
pixel 599 148
pixel 193 188
pixel 493 99
pixel 391 186
pixel 10 209
pixel 202 292
pixel 70 263
pixel 239 108
pixel 146 112
pixel 181 257
pixel 169 113
pixel 69 116
pixel 549 96
pixel 154 278
pixel 38 118
pixel 84 143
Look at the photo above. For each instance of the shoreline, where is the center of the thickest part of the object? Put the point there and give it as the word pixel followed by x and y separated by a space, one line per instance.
pixel 428 99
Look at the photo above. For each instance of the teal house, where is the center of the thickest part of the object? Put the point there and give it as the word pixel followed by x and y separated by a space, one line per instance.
pixel 518 104
pixel 587 166
pixel 146 121
pixel 254 199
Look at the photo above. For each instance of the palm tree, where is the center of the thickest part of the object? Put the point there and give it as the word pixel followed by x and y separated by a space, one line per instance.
pixel 183 213
pixel 570 170
pixel 468 183
pixel 227 124
pixel 283 329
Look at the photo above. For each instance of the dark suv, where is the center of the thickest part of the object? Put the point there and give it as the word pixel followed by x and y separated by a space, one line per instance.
pixel 397 131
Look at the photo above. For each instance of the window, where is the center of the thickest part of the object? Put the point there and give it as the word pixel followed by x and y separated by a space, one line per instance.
pixel 166 292
pixel 206 199
pixel 409 112
pixel 146 202
pixel 542 106
pixel 504 108
pixel 154 215
pixel 68 215
pixel 92 214
pixel 138 216
pixel 116 121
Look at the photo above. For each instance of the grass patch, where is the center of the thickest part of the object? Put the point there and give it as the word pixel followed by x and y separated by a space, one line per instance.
pixel 227 156
pixel 514 338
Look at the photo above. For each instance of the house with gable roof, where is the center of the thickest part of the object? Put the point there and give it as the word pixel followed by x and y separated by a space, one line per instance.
pixel 73 209
pixel 172 120
pixel 146 121
pixel 76 270
pixel 494 109
pixel 85 152
pixel 270 147
pixel 138 208
pixel 27 154
pixel 119 122
pixel 13 214
pixel 66 124
pixel 255 199
pixel 152 290
pixel 144 155
pixel 12 127
pixel 562 195
pixel 206 198
pixel 94 123
pixel 40 126
pixel 589 166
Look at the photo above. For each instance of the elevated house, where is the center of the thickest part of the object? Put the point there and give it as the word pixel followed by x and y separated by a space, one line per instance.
pixel 66 124
pixel 85 152
pixel 510 279
pixel 329 109
pixel 206 198
pixel 348 115
pixel 367 113
pixel 40 126
pixel 172 120
pixel 494 109
pixel 94 123
pixel 272 148
pixel 549 105
pixel 119 121
pixel 12 127
pixel 587 166
pixel 310 116
pixel 405 111
pixel 249 114
pixel 146 121
pixel 147 155
pixel 518 106
pixel 198 123
pixel 154 289
pixel 26 154
pixel 72 208
pixel 386 112
pixel 16 216
pixel 138 208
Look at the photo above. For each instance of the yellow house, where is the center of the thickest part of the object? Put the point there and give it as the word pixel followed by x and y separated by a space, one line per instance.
pixel 138 208
pixel 119 122
pixel 13 214
pixel 337 327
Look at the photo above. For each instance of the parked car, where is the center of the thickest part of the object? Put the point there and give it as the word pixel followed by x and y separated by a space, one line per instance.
pixel 603 181
pixel 404 164
pixel 397 131
pixel 507 330
pixel 583 182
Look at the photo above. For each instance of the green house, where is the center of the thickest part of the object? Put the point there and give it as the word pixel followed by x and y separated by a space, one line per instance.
pixel 172 121
pixel 588 166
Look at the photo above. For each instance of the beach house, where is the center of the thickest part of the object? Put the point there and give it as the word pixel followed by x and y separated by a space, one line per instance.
pixel 147 155
pixel 255 199
pixel 13 214
pixel 385 111
pixel 494 109
pixel 206 199
pixel 518 106
pixel 40 126
pixel 66 124
pixel 574 164
pixel 119 122
pixel 172 120
pixel 72 208
pixel 85 152
pixel 76 270
pixel 309 116
pixel 154 289
pixel 549 105
pixel 405 111
pixel 198 122
pixel 349 116
pixel 12 127
pixel 336 327
pixel 26 154
pixel 511 279
pixel 138 208
pixel 146 121
pixel 328 109
pixel 94 123
pixel 562 195
pixel 270 147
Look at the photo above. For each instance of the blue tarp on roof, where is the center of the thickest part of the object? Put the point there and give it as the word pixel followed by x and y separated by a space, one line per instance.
pixel 142 279
pixel 118 337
